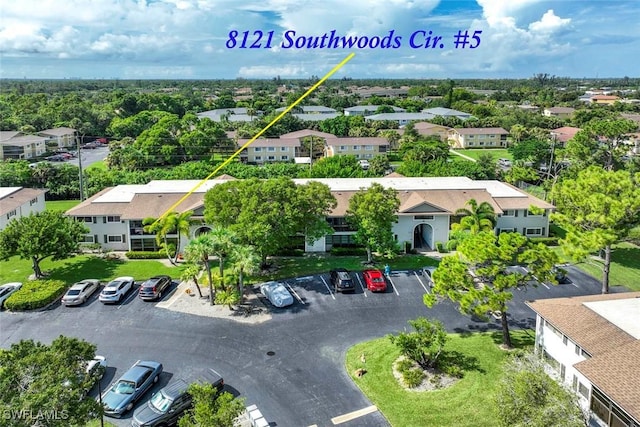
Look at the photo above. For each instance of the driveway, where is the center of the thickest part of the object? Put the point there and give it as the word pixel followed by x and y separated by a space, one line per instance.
pixel 291 366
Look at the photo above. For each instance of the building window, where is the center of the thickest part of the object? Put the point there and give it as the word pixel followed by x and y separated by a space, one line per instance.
pixel 509 212
pixel 481 143
pixel 421 217
pixel 470 144
pixel 284 149
pixel 85 218
pixel 12 213
pixel 257 149
pixel 563 371
pixel 114 218
pixel 88 238
pixel 271 148
pixel 578 350
pixel 356 147
pixel 471 136
pixel 368 147
pixel 537 231
pixel 258 157
pixel 284 157
pixel 529 213
pixel 342 148
pixel 583 390
pixel 114 239
pixel 271 157
pixel 506 230
pixel 33 201
pixel 565 340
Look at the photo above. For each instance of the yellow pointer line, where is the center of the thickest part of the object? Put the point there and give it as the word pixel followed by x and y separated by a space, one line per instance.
pixel 226 162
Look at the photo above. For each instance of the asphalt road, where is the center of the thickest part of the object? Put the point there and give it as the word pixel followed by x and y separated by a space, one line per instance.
pixel 90 156
pixel 303 381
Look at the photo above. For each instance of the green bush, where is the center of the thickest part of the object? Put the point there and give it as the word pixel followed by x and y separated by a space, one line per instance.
pixel 35 294
pixel 441 248
pixel 452 245
pixel 146 255
pixel 404 365
pixel 347 251
pixel 549 241
pixel 413 377
pixel 291 252
pixel 452 370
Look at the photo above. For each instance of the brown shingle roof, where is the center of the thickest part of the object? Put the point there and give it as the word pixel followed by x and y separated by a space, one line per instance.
pixel 61 131
pixel 145 205
pixel 18 198
pixel 357 141
pixel 614 367
pixel 270 142
pixel 88 208
pixel 617 375
pixel 306 132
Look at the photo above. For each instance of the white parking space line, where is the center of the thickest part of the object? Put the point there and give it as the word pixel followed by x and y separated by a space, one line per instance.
pixel 575 285
pixel 132 294
pixel 421 284
pixel 353 415
pixel 392 285
pixel 364 291
pixel 295 294
pixel 328 288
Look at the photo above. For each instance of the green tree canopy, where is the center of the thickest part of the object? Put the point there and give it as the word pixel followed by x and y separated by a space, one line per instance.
pixel 480 278
pixel 373 211
pixel 597 209
pixel 41 235
pixel 210 408
pixel 267 214
pixel 39 378
pixel 528 397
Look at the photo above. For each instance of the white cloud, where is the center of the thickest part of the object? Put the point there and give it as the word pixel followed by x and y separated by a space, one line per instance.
pixel 549 23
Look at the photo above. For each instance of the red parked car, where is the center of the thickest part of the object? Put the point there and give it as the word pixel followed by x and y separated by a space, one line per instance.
pixel 374 280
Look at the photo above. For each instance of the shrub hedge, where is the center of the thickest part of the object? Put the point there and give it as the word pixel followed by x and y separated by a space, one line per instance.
pixel 146 255
pixel 35 294
pixel 549 241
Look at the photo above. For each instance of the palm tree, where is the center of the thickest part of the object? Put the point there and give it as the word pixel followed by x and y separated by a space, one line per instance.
pixel 171 223
pixel 198 252
pixel 245 260
pixel 222 241
pixel 182 223
pixel 479 217
pixel 190 272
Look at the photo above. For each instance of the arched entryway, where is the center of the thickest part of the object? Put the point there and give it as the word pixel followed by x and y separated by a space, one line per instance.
pixel 201 230
pixel 423 237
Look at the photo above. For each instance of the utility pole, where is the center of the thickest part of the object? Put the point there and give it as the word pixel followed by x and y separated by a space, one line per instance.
pixel 80 167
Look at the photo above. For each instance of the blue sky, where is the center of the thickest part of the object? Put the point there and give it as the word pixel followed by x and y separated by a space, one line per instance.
pixel 186 39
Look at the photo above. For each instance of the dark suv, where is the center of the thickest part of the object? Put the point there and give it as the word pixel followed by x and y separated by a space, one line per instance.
pixel 341 280
pixel 167 405
pixel 153 288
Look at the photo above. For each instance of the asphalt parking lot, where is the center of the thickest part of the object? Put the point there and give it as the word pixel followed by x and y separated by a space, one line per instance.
pixel 290 366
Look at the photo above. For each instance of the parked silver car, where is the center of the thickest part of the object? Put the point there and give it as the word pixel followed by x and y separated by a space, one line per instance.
pixel 129 388
pixel 80 292
pixel 276 293
pixel 116 290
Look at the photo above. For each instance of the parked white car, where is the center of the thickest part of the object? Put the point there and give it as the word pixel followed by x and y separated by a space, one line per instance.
pixel 7 289
pixel 80 292
pixel 116 290
pixel 276 293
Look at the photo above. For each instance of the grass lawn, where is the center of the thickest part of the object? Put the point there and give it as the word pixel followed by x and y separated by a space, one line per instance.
pixel 497 153
pixel 96 423
pixel 97 165
pixel 85 267
pixel 466 403
pixel 60 205
pixel 625 266
pixel 312 264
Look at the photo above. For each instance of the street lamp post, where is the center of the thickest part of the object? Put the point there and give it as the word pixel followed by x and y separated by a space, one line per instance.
pixel 81 181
